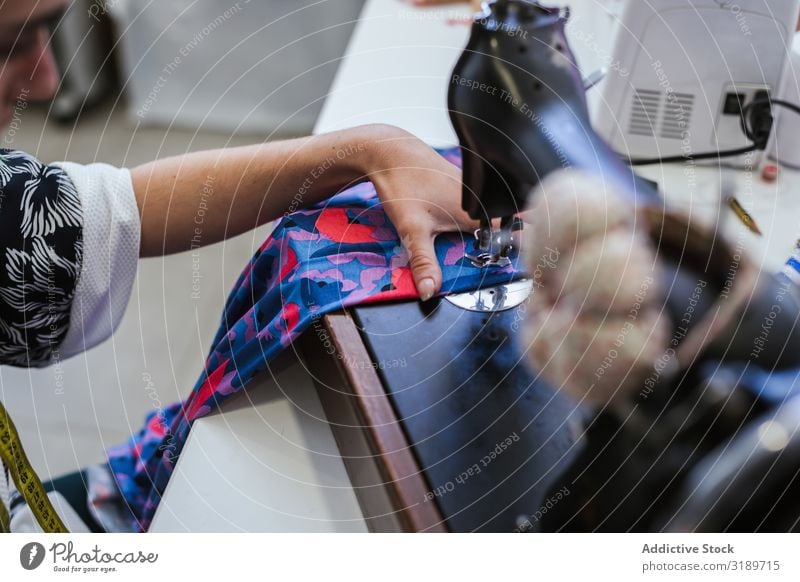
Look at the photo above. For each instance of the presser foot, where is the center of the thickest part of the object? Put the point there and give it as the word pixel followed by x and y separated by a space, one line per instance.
pixel 492 249
pixel 493 246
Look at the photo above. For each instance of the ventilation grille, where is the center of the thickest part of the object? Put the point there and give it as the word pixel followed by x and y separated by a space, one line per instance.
pixel 644 112
pixel 653 114
pixel 677 115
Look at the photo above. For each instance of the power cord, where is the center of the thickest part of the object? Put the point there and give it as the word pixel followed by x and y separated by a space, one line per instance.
pixel 756 122
pixel 682 158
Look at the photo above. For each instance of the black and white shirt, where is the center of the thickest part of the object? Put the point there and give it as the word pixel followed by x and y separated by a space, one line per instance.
pixel 69 246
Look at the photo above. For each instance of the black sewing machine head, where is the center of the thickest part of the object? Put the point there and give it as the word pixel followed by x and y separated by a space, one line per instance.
pixel 517 103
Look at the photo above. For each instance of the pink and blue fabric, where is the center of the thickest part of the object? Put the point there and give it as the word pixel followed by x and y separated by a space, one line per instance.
pixel 335 255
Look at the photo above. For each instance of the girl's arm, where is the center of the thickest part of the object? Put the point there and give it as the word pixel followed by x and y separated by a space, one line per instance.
pixel 205 197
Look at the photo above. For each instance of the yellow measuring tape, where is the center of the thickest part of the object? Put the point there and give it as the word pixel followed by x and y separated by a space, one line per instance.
pixel 28 483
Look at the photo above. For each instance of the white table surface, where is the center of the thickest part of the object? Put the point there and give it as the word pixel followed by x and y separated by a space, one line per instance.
pixel 267 463
pixel 271 465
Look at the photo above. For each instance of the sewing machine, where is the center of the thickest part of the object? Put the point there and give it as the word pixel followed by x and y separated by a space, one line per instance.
pixel 520 116
pixel 517 101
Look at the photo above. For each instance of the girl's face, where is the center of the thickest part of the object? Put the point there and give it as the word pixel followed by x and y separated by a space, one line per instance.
pixel 27 67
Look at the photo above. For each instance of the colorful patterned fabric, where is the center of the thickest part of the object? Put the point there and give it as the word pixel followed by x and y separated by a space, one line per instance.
pixel 339 254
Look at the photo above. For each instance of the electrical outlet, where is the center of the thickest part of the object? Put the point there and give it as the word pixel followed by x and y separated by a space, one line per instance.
pixel 734 99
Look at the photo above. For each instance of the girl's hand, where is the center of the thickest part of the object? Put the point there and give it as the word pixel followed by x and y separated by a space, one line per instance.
pixel 421 194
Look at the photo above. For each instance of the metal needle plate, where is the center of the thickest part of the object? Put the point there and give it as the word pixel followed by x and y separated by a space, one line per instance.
pixel 493 299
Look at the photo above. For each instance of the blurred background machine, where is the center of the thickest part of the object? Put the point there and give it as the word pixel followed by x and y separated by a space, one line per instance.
pixel 241 66
pixel 684 70
pixel 245 67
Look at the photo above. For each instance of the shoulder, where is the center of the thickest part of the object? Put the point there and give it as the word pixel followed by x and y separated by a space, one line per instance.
pixel 40 197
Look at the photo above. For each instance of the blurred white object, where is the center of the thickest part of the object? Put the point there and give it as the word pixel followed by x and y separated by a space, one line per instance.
pixel 786 143
pixel 682 66
pixel 246 66
pixel 596 322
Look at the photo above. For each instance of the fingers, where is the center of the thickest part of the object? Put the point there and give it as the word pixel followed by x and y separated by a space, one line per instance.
pixel 423 261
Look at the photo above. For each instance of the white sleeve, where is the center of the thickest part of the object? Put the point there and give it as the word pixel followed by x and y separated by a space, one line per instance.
pixel 111 236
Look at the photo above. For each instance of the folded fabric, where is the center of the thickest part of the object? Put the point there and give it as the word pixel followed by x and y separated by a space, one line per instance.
pixel 342 253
